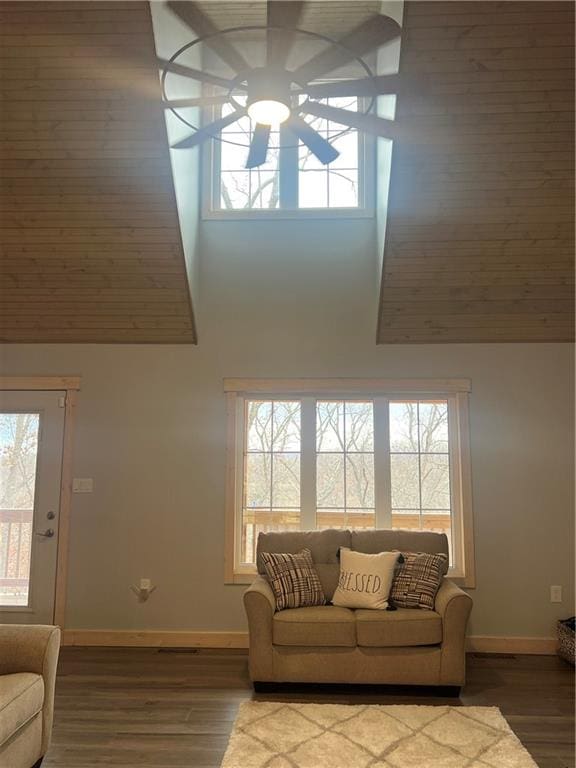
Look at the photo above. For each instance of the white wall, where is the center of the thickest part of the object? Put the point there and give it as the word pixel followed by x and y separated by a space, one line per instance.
pixel 294 299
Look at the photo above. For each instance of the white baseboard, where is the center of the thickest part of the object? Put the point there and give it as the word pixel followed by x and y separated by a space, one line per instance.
pixel 188 639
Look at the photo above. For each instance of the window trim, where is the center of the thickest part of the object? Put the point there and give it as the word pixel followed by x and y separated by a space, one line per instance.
pixel 456 391
pixel 366 209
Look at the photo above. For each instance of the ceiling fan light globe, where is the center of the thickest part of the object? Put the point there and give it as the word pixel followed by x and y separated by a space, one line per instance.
pixel 268 112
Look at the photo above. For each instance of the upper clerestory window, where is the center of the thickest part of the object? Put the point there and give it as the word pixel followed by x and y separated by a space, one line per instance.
pixel 292 181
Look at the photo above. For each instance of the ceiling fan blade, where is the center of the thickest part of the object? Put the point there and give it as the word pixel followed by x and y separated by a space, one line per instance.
pixel 370 35
pixel 201 101
pixel 279 41
pixel 196 74
pixel 209 131
pixel 363 122
pixel 191 15
pixel 258 146
pixel 316 143
pixel 365 86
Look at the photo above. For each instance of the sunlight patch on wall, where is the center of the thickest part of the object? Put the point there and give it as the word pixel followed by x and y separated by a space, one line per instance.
pixel 387 63
pixel 169 35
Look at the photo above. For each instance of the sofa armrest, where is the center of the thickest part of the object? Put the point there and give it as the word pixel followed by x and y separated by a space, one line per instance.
pixel 454 606
pixel 33 648
pixel 260 606
pixel 260 587
pixel 449 592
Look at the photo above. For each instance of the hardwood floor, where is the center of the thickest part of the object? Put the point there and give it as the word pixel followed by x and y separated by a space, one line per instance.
pixel 161 708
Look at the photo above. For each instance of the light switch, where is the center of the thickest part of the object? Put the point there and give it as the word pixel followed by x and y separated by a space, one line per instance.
pixel 555 594
pixel 82 485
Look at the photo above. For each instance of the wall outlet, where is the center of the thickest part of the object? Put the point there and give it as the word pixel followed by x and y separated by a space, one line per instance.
pixel 556 594
pixel 82 485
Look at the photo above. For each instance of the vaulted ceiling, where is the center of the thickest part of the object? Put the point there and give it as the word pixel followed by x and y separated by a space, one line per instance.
pixel 479 242
pixel 328 18
pixel 480 233
pixel 89 235
pixel 90 243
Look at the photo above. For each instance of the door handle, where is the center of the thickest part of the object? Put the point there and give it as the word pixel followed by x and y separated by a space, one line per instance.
pixel 48 533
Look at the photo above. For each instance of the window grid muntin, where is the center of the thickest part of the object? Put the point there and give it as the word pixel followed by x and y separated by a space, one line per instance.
pixel 342 415
pixel 421 510
pixel 271 509
pixel 288 200
pixel 328 130
pixel 270 167
pixel 456 524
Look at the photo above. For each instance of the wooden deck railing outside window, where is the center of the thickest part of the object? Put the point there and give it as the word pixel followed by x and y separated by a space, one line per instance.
pixel 15 545
pixel 262 521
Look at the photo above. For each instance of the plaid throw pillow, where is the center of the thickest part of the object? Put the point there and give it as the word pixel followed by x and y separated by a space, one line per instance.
pixel 417 580
pixel 293 579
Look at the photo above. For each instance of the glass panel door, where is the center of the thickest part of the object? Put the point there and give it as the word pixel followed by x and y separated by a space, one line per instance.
pixel 31 434
pixel 18 464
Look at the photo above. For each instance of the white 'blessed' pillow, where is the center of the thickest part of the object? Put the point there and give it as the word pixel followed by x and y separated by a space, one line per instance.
pixel 365 580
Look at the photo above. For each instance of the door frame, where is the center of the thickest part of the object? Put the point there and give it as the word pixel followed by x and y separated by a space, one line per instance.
pixel 71 386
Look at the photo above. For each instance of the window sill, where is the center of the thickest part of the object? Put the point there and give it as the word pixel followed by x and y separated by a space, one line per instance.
pixel 241 578
pixel 466 582
pixel 285 214
pixel 16 609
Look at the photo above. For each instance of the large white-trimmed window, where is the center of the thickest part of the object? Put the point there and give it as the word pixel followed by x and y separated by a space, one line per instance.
pixel 292 181
pixel 313 454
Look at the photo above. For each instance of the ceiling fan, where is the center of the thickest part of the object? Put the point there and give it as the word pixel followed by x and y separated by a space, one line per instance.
pixel 275 95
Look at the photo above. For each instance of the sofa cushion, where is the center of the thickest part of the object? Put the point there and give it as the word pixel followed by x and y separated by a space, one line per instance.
pixel 417 580
pixel 328 574
pixel 372 541
pixel 365 580
pixel 324 546
pixel 21 697
pixel 324 625
pixel 403 627
pixel 293 579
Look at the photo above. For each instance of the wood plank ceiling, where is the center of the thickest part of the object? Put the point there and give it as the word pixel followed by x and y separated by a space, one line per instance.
pixel 480 240
pixel 89 234
pixel 329 17
pixel 332 18
pixel 90 244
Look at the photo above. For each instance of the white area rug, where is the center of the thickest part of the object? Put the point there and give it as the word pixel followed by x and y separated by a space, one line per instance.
pixel 277 735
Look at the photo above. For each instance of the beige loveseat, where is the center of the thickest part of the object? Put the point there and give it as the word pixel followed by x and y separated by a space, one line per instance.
pixel 28 659
pixel 328 644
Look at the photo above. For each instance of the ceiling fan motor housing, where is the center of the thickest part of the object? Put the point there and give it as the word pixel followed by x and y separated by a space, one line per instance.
pixel 267 84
